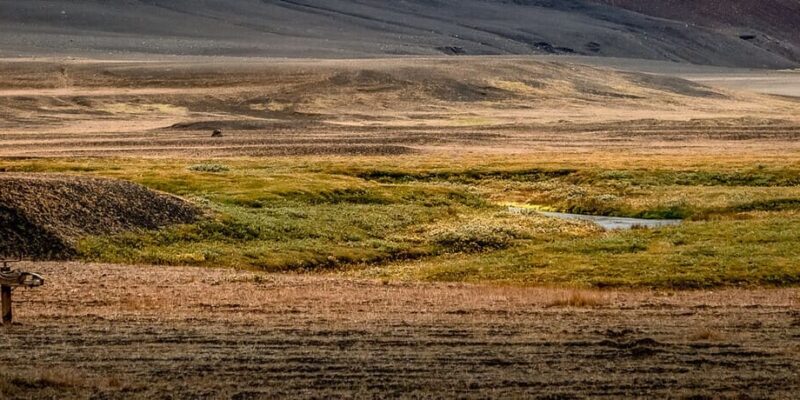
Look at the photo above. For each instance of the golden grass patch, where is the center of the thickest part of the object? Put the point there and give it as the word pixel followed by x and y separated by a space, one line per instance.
pixel 578 299
pixel 707 335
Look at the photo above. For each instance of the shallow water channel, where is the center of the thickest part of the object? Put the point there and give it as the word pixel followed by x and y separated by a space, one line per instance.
pixel 615 223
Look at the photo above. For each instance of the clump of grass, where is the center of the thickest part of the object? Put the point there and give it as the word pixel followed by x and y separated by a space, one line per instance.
pixel 210 168
pixel 579 299
pixel 707 335
pixel 475 236
pixel 256 279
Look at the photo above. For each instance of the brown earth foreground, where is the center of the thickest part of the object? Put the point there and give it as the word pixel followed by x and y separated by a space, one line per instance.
pixel 103 331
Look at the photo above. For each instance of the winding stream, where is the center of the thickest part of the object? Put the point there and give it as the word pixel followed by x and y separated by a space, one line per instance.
pixel 615 223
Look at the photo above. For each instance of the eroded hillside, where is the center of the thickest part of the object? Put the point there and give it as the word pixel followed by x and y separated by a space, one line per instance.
pixel 370 28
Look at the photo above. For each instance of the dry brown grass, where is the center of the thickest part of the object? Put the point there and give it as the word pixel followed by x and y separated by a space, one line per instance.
pixel 579 299
pixel 215 333
pixel 707 335
pixel 53 382
pixel 119 290
pixel 372 107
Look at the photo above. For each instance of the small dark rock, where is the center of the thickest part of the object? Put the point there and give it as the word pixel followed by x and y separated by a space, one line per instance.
pixel 217 133
pixel 452 50
pixel 747 37
pixel 544 46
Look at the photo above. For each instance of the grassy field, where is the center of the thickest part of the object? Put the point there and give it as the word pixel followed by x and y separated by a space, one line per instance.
pixel 421 218
pixel 405 169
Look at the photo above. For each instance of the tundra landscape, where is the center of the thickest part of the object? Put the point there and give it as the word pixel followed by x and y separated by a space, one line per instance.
pixel 396 205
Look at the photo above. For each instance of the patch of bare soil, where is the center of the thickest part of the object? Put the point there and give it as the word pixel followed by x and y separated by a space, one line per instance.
pixel 42 216
pixel 729 136
pixel 106 331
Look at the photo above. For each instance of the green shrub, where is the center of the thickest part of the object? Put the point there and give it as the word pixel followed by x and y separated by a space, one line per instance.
pixel 475 236
pixel 211 168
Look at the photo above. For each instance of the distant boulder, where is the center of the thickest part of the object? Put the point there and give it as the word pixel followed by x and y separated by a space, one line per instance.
pixel 452 50
pixel 216 133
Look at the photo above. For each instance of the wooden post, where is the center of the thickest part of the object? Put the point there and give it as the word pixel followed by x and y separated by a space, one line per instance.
pixel 8 281
pixel 5 293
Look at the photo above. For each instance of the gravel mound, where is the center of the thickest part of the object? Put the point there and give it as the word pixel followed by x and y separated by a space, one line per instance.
pixel 43 216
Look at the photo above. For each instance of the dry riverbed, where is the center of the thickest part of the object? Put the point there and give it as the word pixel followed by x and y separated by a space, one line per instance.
pixel 105 331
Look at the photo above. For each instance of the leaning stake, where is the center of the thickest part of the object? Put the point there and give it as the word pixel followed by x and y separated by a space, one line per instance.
pixel 10 279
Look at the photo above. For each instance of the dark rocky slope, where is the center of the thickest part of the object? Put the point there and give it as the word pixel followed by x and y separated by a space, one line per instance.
pixel 371 28
pixel 43 216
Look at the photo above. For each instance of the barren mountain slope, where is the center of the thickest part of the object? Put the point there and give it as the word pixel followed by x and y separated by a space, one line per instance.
pixel 364 28
pixel 773 24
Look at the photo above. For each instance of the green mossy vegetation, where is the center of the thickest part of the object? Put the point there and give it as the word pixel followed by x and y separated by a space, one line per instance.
pixel 395 218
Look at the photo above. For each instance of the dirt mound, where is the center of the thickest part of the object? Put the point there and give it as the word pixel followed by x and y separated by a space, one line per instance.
pixel 43 216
